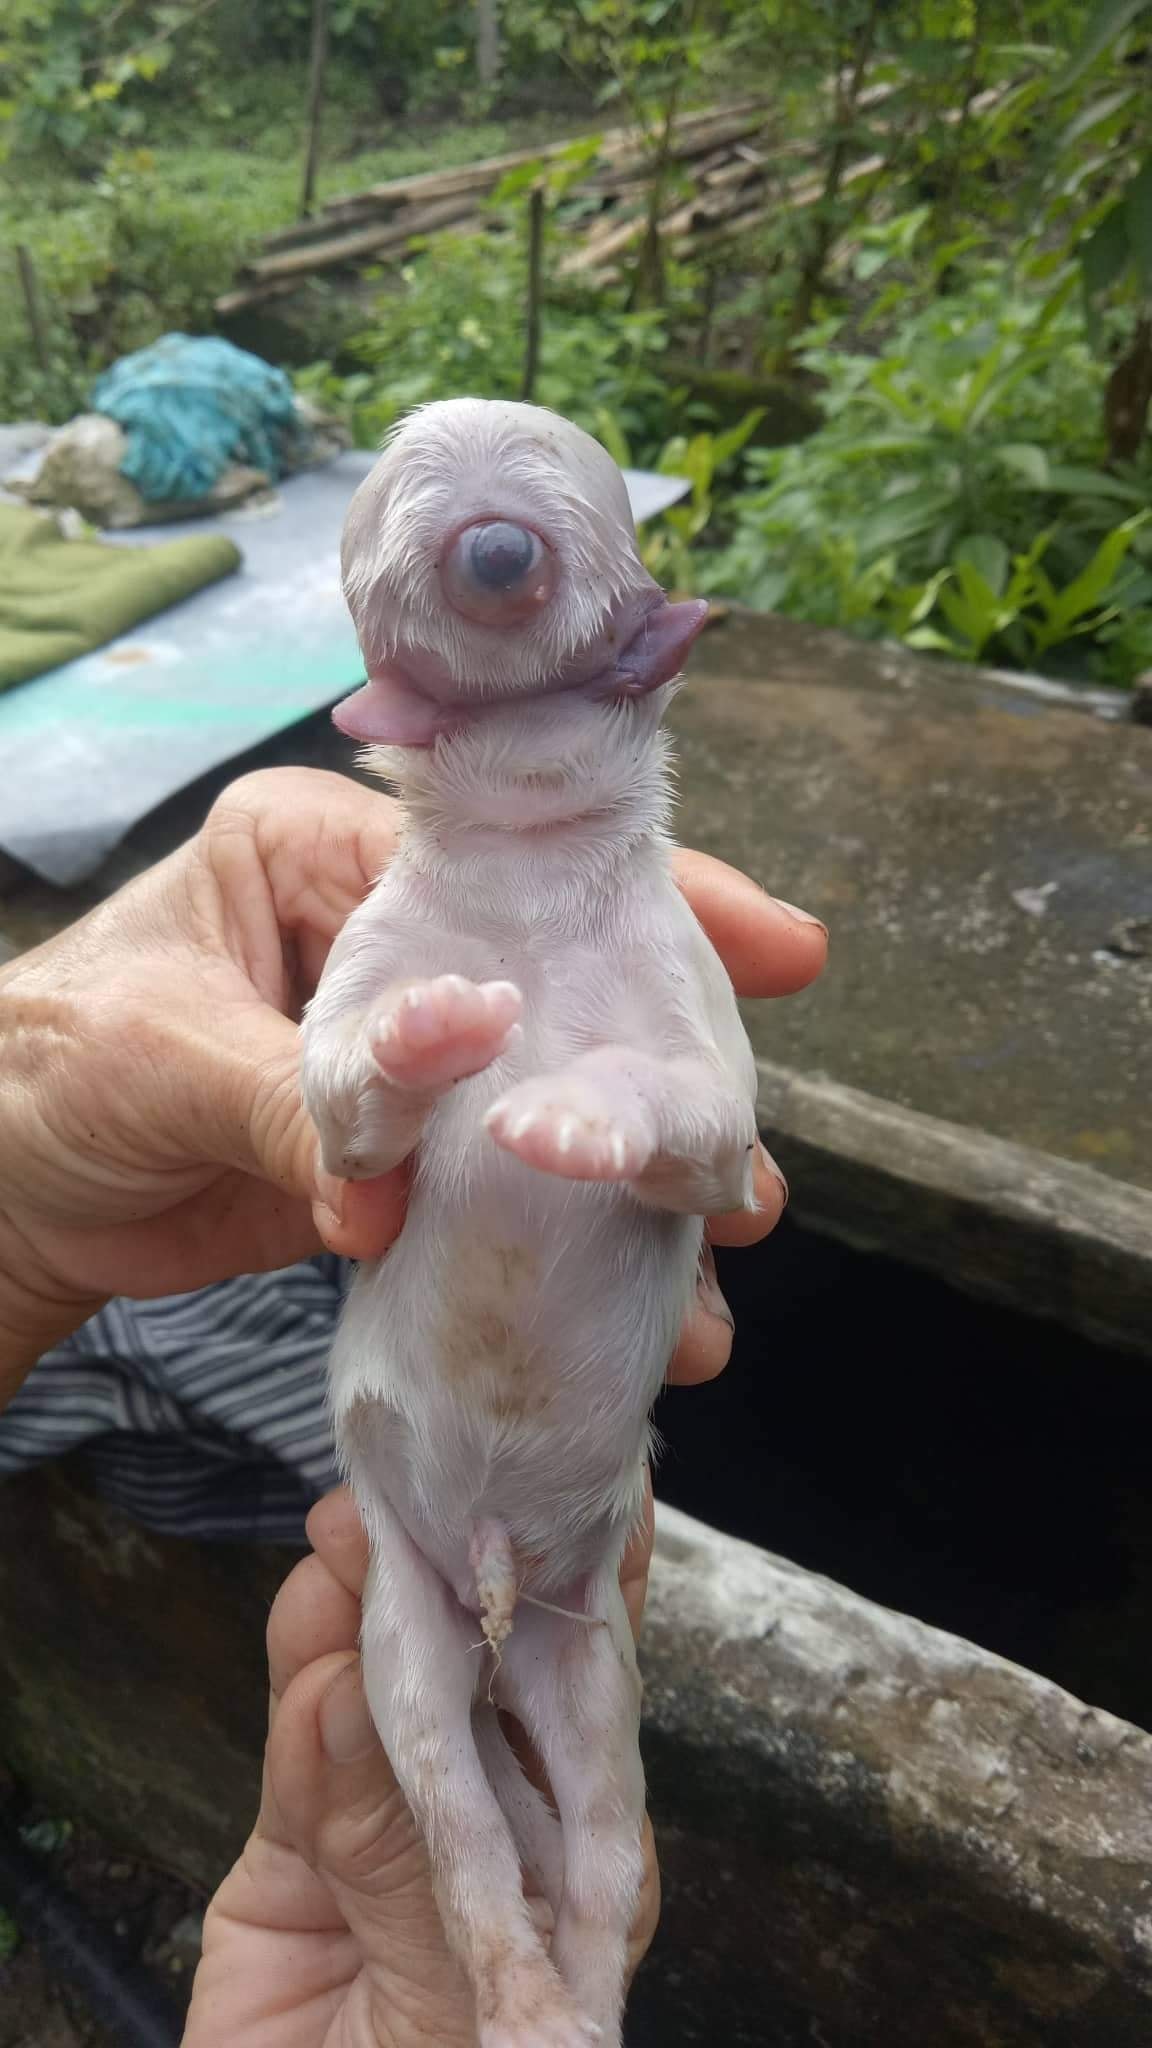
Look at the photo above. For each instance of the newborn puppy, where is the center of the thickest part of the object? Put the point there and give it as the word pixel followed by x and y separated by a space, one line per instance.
pixel 527 1004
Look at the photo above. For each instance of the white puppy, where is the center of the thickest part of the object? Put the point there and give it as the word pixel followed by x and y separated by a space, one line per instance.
pixel 527 1003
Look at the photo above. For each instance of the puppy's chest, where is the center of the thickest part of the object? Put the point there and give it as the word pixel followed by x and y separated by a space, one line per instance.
pixel 576 999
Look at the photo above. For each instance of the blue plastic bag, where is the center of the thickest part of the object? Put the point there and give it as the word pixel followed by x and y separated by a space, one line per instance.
pixel 191 405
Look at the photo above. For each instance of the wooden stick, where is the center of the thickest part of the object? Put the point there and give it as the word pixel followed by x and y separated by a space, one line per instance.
pixel 30 286
pixel 535 291
pixel 365 241
pixel 616 144
pixel 487 42
pixel 317 67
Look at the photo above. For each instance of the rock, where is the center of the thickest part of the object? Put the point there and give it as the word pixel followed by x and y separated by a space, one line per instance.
pixel 876 1831
pixel 1131 938
pixel 81 468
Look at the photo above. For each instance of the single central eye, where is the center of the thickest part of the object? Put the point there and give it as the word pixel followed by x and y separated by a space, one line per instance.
pixel 500 555
pixel 498 573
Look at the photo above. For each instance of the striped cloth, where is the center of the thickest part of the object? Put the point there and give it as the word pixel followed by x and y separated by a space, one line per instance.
pixel 201 1415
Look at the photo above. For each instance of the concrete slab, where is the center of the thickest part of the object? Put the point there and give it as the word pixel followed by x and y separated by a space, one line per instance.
pixel 983 859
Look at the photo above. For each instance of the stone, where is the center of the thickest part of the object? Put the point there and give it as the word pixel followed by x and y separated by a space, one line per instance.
pixel 1005 1221
pixel 905 801
pixel 873 1832
pixel 132 1672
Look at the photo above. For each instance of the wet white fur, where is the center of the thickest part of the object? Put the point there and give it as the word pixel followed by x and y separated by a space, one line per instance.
pixel 495 1372
pixel 446 465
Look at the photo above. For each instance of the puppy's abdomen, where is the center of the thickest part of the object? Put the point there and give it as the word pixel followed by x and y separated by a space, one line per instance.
pixel 501 1362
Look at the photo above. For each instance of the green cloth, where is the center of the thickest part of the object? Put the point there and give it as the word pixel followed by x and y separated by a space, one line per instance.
pixel 61 598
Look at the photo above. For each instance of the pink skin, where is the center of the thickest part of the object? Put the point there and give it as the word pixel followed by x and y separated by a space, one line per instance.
pixel 496 1441
pixel 405 704
pixel 438 1032
pixel 600 1119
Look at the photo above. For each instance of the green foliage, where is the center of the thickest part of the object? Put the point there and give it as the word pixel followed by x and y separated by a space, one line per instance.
pixel 453 321
pixel 955 496
pixel 131 260
pixel 989 599
pixel 46 1836
pixel 69 69
pixel 704 458
pixel 10 1936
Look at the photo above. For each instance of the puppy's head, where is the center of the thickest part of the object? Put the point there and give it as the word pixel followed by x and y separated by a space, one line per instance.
pixel 490 557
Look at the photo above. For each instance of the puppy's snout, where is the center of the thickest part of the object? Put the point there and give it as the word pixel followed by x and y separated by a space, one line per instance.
pixel 498 573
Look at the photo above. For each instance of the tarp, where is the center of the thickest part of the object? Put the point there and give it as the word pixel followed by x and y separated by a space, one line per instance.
pixel 190 405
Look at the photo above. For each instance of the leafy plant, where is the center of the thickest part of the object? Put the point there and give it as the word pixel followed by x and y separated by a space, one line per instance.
pixel 455 323
pixel 986 597
pixel 955 496
pixel 47 1835
pixel 703 458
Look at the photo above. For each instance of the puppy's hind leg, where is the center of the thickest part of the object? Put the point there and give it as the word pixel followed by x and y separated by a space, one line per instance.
pixel 577 1691
pixel 535 1828
pixel 419 1674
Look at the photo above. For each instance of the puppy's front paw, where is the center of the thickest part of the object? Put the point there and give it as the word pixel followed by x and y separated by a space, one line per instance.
pixel 433 1033
pixel 580 1126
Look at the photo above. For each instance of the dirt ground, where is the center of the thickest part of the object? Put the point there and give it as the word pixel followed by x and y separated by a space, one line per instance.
pixel 146 1919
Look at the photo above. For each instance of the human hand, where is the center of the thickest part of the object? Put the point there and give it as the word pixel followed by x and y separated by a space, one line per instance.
pixel 152 1135
pixel 326 1933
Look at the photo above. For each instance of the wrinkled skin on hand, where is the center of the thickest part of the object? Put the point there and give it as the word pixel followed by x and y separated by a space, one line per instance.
pixel 152 1136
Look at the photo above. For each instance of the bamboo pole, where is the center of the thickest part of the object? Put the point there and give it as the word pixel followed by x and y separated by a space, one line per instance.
pixel 30 287
pixel 535 291
pixel 317 68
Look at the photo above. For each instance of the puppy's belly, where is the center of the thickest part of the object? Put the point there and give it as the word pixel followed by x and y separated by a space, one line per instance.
pixel 501 1362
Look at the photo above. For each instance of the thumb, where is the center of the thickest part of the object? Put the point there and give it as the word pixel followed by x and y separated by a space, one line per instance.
pixel 335 1796
pixel 245 1110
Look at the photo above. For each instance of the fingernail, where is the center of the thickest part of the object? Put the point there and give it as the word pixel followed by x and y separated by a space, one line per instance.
pixel 771 1166
pixel 330 1190
pixel 801 916
pixel 708 1293
pixel 346 1729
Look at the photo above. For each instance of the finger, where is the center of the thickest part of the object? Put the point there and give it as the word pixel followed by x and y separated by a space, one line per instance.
pixel 339 1539
pixel 241 1106
pixel 322 840
pixel 703 1347
pixel 636 1561
pixel 769 948
pixel 748 1226
pixel 313 1615
pixel 647 1914
pixel 705 1342
pixel 343 1811
pixel 360 1219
